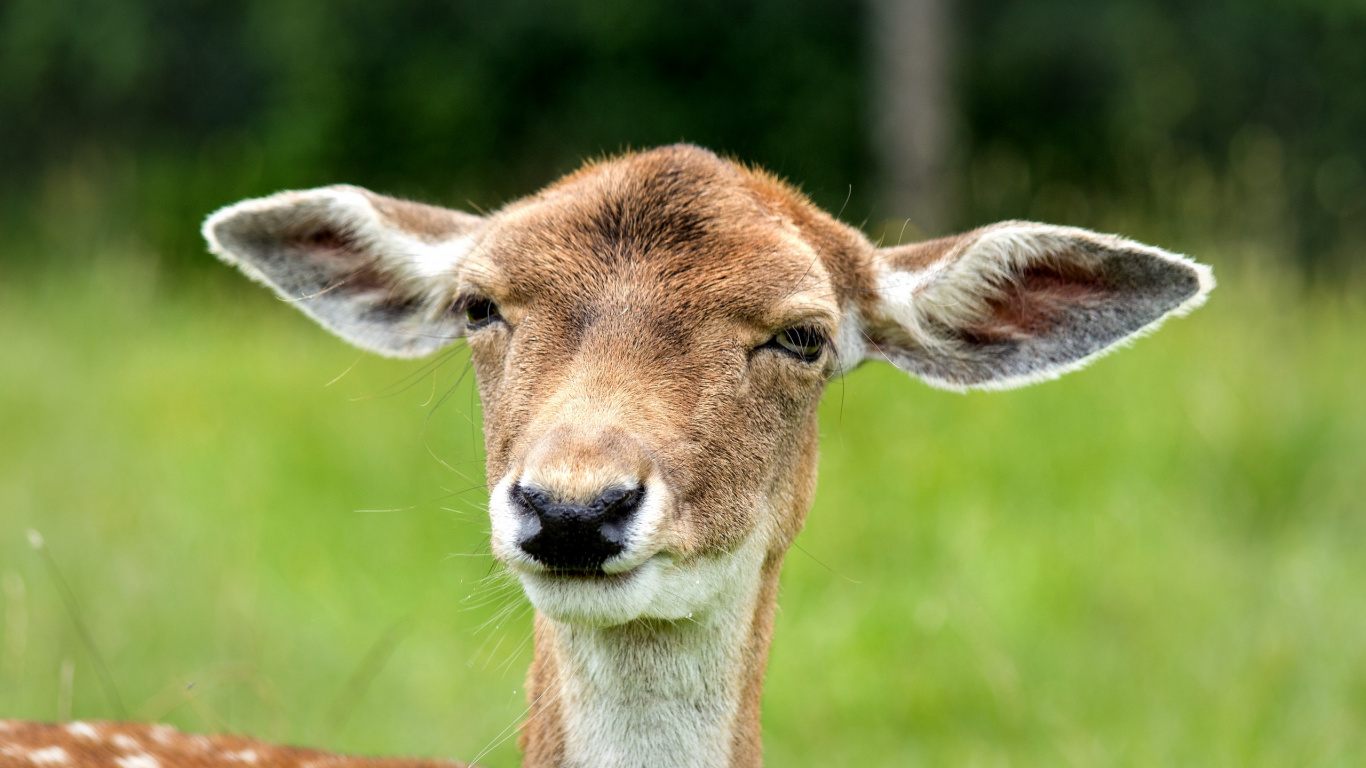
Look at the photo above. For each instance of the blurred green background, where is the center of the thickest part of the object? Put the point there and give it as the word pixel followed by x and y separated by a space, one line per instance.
pixel 1153 562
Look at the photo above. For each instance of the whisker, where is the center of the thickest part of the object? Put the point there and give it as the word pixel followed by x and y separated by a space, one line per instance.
pixel 449 494
pixel 515 727
pixel 817 561
pixel 348 370
pixel 411 380
pixel 526 638
pixel 469 365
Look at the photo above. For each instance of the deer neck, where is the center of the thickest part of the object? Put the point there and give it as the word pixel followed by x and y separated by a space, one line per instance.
pixel 654 693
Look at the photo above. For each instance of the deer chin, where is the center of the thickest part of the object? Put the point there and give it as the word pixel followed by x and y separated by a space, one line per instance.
pixel 596 599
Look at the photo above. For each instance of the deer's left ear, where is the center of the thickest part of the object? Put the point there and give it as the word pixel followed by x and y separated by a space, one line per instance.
pixel 377 271
pixel 1018 302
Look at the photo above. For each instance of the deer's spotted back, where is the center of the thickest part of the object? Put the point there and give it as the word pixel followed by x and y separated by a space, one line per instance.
pixel 95 744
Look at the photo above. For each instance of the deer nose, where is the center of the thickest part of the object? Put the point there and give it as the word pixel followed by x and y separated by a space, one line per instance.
pixel 575 537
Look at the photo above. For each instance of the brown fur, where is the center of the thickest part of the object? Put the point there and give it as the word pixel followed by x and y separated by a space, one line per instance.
pixel 426 221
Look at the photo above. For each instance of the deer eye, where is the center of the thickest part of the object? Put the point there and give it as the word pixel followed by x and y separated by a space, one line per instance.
pixel 802 342
pixel 480 312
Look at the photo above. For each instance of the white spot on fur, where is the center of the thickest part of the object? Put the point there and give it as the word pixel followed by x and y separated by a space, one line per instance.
pixel 82 730
pixel 125 742
pixel 163 734
pixel 245 756
pixel 142 760
pixel 49 756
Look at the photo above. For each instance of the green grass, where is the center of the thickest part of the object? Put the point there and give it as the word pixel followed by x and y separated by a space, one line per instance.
pixel 1156 562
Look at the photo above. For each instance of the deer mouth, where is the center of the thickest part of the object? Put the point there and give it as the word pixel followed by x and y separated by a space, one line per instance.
pixel 587 576
pixel 662 587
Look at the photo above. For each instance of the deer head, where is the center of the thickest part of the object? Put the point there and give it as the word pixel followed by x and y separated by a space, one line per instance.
pixel 651 337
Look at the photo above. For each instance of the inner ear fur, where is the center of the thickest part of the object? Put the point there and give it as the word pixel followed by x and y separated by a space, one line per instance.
pixel 375 270
pixel 1018 302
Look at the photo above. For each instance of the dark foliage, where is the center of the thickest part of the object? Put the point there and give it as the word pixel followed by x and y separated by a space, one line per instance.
pixel 170 108
pixel 1136 100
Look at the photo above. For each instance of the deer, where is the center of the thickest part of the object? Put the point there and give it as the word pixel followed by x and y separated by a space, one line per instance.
pixel 651 336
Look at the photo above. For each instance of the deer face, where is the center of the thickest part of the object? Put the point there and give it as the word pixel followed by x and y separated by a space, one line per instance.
pixel 651 343
pixel 652 336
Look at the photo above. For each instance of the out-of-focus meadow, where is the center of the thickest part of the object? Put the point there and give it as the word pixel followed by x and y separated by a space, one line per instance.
pixel 1156 561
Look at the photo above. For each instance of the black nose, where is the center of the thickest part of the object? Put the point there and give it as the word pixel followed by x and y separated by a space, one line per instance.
pixel 575 537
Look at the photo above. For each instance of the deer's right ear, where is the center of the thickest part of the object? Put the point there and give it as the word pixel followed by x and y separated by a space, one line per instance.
pixel 377 271
pixel 1019 302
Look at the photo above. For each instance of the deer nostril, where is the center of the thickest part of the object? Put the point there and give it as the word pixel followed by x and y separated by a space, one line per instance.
pixel 576 537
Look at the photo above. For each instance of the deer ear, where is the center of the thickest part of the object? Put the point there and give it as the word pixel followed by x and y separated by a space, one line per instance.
pixel 376 271
pixel 1018 302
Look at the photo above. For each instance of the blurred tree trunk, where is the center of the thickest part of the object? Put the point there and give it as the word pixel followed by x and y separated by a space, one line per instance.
pixel 913 110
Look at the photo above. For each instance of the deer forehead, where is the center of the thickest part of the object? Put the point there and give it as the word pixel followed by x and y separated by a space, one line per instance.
pixel 680 244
